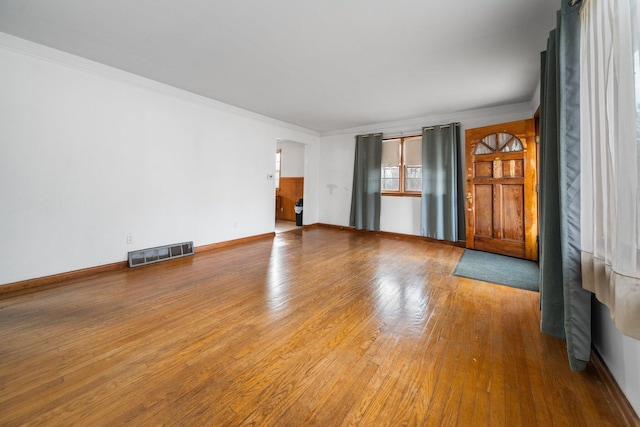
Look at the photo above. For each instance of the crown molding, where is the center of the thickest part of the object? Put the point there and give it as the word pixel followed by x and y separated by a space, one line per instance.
pixel 414 126
pixel 58 57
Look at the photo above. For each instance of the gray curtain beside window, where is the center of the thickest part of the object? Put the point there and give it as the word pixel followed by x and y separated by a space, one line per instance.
pixel 566 307
pixel 440 182
pixel 365 197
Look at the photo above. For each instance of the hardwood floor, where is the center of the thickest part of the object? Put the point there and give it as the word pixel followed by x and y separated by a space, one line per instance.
pixel 317 326
pixel 283 226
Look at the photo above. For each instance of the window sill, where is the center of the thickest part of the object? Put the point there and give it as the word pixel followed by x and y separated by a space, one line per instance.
pixel 401 194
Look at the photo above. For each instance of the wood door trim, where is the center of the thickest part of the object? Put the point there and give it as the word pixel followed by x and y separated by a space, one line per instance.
pixel 492 181
pixel 291 189
pixel 531 214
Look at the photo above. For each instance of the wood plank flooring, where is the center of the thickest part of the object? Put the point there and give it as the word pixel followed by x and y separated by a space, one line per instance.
pixel 316 327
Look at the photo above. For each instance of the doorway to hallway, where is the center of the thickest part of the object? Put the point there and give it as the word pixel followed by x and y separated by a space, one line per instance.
pixel 290 160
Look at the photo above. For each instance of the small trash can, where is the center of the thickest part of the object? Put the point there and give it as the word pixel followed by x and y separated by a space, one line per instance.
pixel 298 208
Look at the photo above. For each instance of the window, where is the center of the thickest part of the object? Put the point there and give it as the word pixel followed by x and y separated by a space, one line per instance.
pixel 278 167
pixel 402 166
pixel 503 142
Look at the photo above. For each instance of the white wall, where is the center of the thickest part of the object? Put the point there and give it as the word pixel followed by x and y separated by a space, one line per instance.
pixel 89 154
pixel 620 353
pixel 292 158
pixel 336 155
pixel 397 214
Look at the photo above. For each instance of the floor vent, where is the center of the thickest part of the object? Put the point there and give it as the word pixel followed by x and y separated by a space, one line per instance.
pixel 160 253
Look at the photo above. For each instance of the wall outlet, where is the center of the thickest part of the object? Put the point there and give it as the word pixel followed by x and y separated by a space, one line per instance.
pixel 129 238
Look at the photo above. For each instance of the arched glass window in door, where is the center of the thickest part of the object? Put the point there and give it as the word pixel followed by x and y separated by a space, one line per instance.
pixel 501 142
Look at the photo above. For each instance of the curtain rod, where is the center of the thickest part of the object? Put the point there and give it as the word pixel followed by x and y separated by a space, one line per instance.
pixel 369 134
pixel 441 126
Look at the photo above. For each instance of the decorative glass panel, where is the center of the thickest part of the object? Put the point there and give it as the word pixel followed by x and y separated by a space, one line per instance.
pixel 482 149
pixel 490 141
pixel 510 143
pixel 503 138
pixel 504 142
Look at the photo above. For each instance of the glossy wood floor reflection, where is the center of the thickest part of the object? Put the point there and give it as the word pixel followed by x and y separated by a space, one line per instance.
pixel 316 327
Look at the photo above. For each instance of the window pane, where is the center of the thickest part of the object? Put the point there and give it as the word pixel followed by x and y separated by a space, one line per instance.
pixel 515 145
pixel 482 149
pixel 490 141
pixel 278 167
pixel 509 143
pixel 413 180
pixel 390 178
pixel 390 165
pixel 487 145
pixel 413 161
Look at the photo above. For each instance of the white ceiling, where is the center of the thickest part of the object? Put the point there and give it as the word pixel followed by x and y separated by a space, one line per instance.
pixel 320 64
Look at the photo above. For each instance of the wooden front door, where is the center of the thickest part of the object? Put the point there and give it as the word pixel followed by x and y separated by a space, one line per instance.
pixel 501 199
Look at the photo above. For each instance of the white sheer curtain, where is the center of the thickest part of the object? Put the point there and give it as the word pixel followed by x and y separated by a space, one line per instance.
pixel 610 158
